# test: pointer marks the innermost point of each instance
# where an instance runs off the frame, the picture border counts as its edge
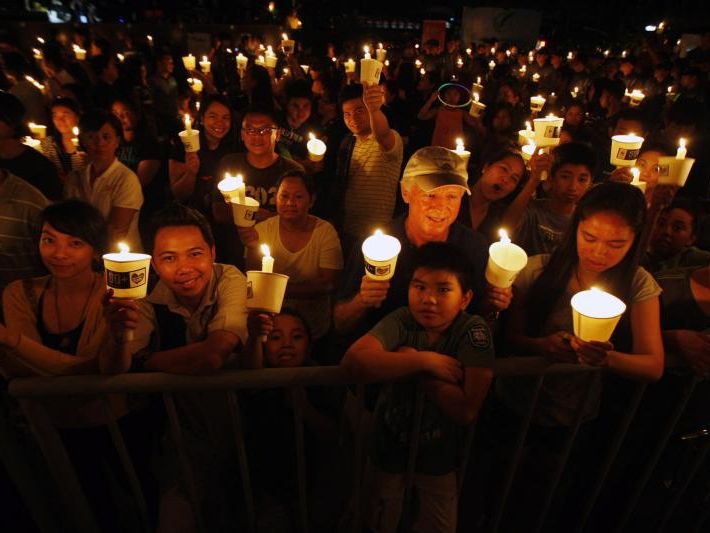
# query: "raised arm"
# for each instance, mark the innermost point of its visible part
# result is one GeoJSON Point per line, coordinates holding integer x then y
{"type": "Point", "coordinates": [374, 97]}
{"type": "Point", "coordinates": [513, 216]}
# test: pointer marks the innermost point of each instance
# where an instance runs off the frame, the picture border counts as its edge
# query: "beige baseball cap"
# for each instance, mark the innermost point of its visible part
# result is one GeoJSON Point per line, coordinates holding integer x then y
{"type": "Point", "coordinates": [435, 166]}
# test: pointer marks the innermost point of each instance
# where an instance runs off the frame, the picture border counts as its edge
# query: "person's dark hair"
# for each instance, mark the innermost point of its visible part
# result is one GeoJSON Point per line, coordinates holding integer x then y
{"type": "Point", "coordinates": [178, 215]}
{"type": "Point", "coordinates": [289, 311]}
{"type": "Point", "coordinates": [298, 88]}
{"type": "Point", "coordinates": [99, 63]}
{"type": "Point", "coordinates": [686, 112]}
{"type": "Point", "coordinates": [262, 93]}
{"type": "Point", "coordinates": [307, 180]}
{"type": "Point", "coordinates": [631, 114]}
{"type": "Point", "coordinates": [622, 199]}
{"type": "Point", "coordinates": [690, 206]}
{"type": "Point", "coordinates": [615, 88]}
{"type": "Point", "coordinates": [257, 109]}
{"type": "Point", "coordinates": [349, 92]}
{"type": "Point", "coordinates": [15, 63]}
{"type": "Point", "coordinates": [574, 153]}
{"type": "Point", "coordinates": [12, 113]}
{"type": "Point", "coordinates": [447, 257]}
{"type": "Point", "coordinates": [69, 103]}
{"type": "Point", "coordinates": [78, 219]}
{"type": "Point", "coordinates": [94, 120]}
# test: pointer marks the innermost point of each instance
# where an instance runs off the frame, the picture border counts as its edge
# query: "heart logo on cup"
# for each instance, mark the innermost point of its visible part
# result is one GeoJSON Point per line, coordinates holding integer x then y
{"type": "Point", "coordinates": [137, 278]}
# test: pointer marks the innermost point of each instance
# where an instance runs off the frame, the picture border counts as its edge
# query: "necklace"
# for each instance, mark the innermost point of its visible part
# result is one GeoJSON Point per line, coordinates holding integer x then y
{"type": "Point", "coordinates": [60, 329]}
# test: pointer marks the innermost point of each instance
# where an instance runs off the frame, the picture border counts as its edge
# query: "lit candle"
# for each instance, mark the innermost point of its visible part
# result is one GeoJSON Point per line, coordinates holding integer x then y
{"type": "Point", "coordinates": [37, 53]}
{"type": "Point", "coordinates": [195, 84]}
{"type": "Point", "coordinates": [232, 187]}
{"type": "Point", "coordinates": [636, 182]}
{"type": "Point", "coordinates": [528, 150]}
{"type": "Point", "coordinates": [285, 71]}
{"type": "Point", "coordinates": [127, 273]}
{"type": "Point", "coordinates": [535, 77]}
{"type": "Point", "coordinates": [205, 65]}
{"type": "Point", "coordinates": [682, 150]}
{"type": "Point", "coordinates": [32, 143]}
{"type": "Point", "coordinates": [367, 52]}
{"type": "Point", "coordinates": [459, 62]}
{"type": "Point", "coordinates": [190, 137]}
{"type": "Point", "coordinates": [75, 138]}
{"type": "Point", "coordinates": [637, 97]}
{"type": "Point", "coordinates": [260, 60]}
{"type": "Point", "coordinates": [189, 62]}
{"type": "Point", "coordinates": [493, 50]}
{"type": "Point", "coordinates": [417, 63]}
{"type": "Point", "coordinates": [422, 71]}
{"type": "Point", "coordinates": [121, 57]}
{"type": "Point", "coordinates": [370, 69]}
{"type": "Point", "coordinates": [242, 61]}
{"type": "Point", "coordinates": [461, 150]}
{"type": "Point", "coordinates": [316, 148]}
{"type": "Point", "coordinates": [547, 130]}
{"type": "Point", "coordinates": [350, 65]}
{"type": "Point", "coordinates": [306, 68]}
{"type": "Point", "coordinates": [491, 64]}
{"type": "Point", "coordinates": [287, 45]}
{"type": "Point", "coordinates": [505, 261]}
{"type": "Point", "coordinates": [267, 262]}
{"type": "Point", "coordinates": [40, 40]}
{"type": "Point", "coordinates": [523, 70]}
{"type": "Point", "coordinates": [595, 314]}
{"type": "Point", "coordinates": [537, 103]}
{"type": "Point", "coordinates": [531, 56]}
{"type": "Point", "coordinates": [575, 92]}
{"type": "Point", "coordinates": [197, 106]}
{"type": "Point", "coordinates": [625, 150]}
{"type": "Point", "coordinates": [188, 123]}
{"type": "Point", "coordinates": [150, 40]}
{"type": "Point", "coordinates": [79, 52]}
{"type": "Point", "coordinates": [570, 56]}
{"type": "Point", "coordinates": [380, 53]}
{"type": "Point", "coordinates": [387, 63]}
{"type": "Point", "coordinates": [476, 106]}
{"type": "Point", "coordinates": [380, 252]}
{"type": "Point", "coordinates": [38, 130]}
{"type": "Point", "coordinates": [525, 135]}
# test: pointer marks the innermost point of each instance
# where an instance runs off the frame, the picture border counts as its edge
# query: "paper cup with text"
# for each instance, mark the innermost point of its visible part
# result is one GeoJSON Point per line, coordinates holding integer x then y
{"type": "Point", "coordinates": [380, 252]}
{"type": "Point", "coordinates": [505, 262]}
{"type": "Point", "coordinates": [548, 130]}
{"type": "Point", "coordinates": [127, 274]}
{"type": "Point", "coordinates": [190, 140]}
{"type": "Point", "coordinates": [672, 171]}
{"type": "Point", "coordinates": [265, 291]}
{"type": "Point", "coordinates": [370, 70]}
{"type": "Point", "coordinates": [244, 215]}
{"type": "Point", "coordinates": [595, 314]}
{"type": "Point", "coordinates": [476, 108]}
{"type": "Point", "coordinates": [625, 150]}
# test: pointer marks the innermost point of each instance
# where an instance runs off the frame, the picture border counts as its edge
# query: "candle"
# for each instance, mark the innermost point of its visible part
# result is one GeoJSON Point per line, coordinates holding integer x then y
{"type": "Point", "coordinates": [380, 252]}
{"type": "Point", "coordinates": [40, 40]}
{"type": "Point", "coordinates": [523, 70]}
{"type": "Point", "coordinates": [233, 188]}
{"type": "Point", "coordinates": [197, 106]}
{"type": "Point", "coordinates": [150, 40]}
{"type": "Point", "coordinates": [189, 62]}
{"type": "Point", "coordinates": [242, 61]}
{"type": "Point", "coordinates": [537, 103]}
{"type": "Point", "coordinates": [316, 148]}
{"type": "Point", "coordinates": [367, 52]}
{"type": "Point", "coordinates": [32, 143]}
{"type": "Point", "coordinates": [526, 135]}
{"type": "Point", "coordinates": [535, 77]}
{"type": "Point", "coordinates": [637, 97]}
{"type": "Point", "coordinates": [37, 53]}
{"type": "Point", "coordinates": [195, 84]}
{"type": "Point", "coordinates": [127, 273]}
{"type": "Point", "coordinates": [121, 57]}
{"type": "Point", "coordinates": [35, 83]}
{"type": "Point", "coordinates": [477, 87]}
{"type": "Point", "coordinates": [491, 64]}
{"type": "Point", "coordinates": [370, 69]}
{"type": "Point", "coordinates": [267, 262]}
{"type": "Point", "coordinates": [188, 123]}
{"type": "Point", "coordinates": [459, 62]}
{"type": "Point", "coordinates": [625, 150]}
{"type": "Point", "coordinates": [636, 182]}
{"type": "Point", "coordinates": [476, 106]}
{"type": "Point", "coordinates": [417, 63]}
{"type": "Point", "coordinates": [422, 72]}
{"type": "Point", "coordinates": [595, 314]}
{"type": "Point", "coordinates": [350, 66]}
{"type": "Point", "coordinates": [205, 65]}
{"type": "Point", "coordinates": [528, 150]}
{"type": "Point", "coordinates": [38, 130]}
{"type": "Point", "coordinates": [75, 138]}
{"type": "Point", "coordinates": [380, 53]}
{"type": "Point", "coordinates": [682, 150]}
{"type": "Point", "coordinates": [469, 51]}
{"type": "Point", "coordinates": [387, 62]}
{"type": "Point", "coordinates": [190, 137]}
{"type": "Point", "coordinates": [260, 60]}
{"type": "Point", "coordinates": [505, 261]}
{"type": "Point", "coordinates": [531, 56]}
{"type": "Point", "coordinates": [575, 92]}
{"type": "Point", "coordinates": [547, 130]}
{"type": "Point", "coordinates": [305, 68]}
{"type": "Point", "coordinates": [79, 52]}
{"type": "Point", "coordinates": [461, 150]}
{"type": "Point", "coordinates": [287, 45]}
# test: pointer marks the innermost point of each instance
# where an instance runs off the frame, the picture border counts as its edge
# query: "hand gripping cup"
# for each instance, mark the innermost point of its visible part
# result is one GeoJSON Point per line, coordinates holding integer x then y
{"type": "Point", "coordinates": [595, 314]}
{"type": "Point", "coordinates": [625, 150]}
{"type": "Point", "coordinates": [265, 291]}
{"type": "Point", "coordinates": [244, 214]}
{"type": "Point", "coordinates": [505, 261]}
{"type": "Point", "coordinates": [380, 252]}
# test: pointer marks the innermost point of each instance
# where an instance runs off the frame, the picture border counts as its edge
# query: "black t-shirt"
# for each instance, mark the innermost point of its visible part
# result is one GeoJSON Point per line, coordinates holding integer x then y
{"type": "Point", "coordinates": [145, 148]}
{"type": "Point", "coordinates": [36, 170]}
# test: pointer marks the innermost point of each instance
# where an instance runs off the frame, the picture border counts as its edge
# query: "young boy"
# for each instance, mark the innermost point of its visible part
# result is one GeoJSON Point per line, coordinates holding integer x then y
{"type": "Point", "coordinates": [450, 353]}
{"type": "Point", "coordinates": [538, 224]}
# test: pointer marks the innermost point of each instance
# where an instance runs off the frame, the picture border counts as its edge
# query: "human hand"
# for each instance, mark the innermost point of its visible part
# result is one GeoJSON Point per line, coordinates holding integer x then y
{"type": "Point", "coordinates": [121, 315]}
{"type": "Point", "coordinates": [373, 96]}
{"type": "Point", "coordinates": [557, 348]}
{"type": "Point", "coordinates": [192, 162]}
{"type": "Point", "coordinates": [442, 367]}
{"type": "Point", "coordinates": [592, 353]}
{"type": "Point", "coordinates": [373, 292]}
{"type": "Point", "coordinates": [259, 324]}
{"type": "Point", "coordinates": [539, 163]}
{"type": "Point", "coordinates": [622, 175]}
{"type": "Point", "coordinates": [499, 299]}
{"type": "Point", "coordinates": [248, 236]}
{"type": "Point", "coordinates": [694, 348]}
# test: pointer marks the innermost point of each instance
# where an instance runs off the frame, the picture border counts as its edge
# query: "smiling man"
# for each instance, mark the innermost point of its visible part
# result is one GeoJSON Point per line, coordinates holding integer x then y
{"type": "Point", "coordinates": [434, 181]}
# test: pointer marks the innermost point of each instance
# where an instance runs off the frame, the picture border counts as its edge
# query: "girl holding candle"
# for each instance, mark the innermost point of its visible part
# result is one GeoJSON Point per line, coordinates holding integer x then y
{"type": "Point", "coordinates": [58, 146]}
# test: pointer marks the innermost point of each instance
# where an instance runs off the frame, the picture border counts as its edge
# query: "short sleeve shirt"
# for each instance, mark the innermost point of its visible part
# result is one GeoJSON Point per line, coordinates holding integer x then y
{"type": "Point", "coordinates": [541, 229]}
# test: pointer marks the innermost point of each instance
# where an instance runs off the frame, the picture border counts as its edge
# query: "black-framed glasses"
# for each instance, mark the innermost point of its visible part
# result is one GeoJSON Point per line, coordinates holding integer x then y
{"type": "Point", "coordinates": [258, 131]}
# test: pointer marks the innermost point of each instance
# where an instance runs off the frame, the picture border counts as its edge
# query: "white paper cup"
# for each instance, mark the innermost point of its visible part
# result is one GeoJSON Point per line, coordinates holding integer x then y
{"type": "Point", "coordinates": [625, 150]}
{"type": "Point", "coordinates": [476, 109]}
{"type": "Point", "coordinates": [128, 279]}
{"type": "Point", "coordinates": [547, 131]}
{"type": "Point", "coordinates": [505, 261]}
{"type": "Point", "coordinates": [594, 317]}
{"type": "Point", "coordinates": [316, 149]}
{"type": "Point", "coordinates": [380, 253]}
{"type": "Point", "coordinates": [477, 88]}
{"type": "Point", "coordinates": [244, 215]}
{"type": "Point", "coordinates": [537, 103]}
{"type": "Point", "coordinates": [270, 61]}
{"type": "Point", "coordinates": [370, 70]}
{"type": "Point", "coordinates": [190, 140]}
{"type": "Point", "coordinates": [380, 54]}
{"type": "Point", "coordinates": [524, 136]}
{"type": "Point", "coordinates": [265, 291]}
{"type": "Point", "coordinates": [288, 46]}
{"type": "Point", "coordinates": [674, 171]}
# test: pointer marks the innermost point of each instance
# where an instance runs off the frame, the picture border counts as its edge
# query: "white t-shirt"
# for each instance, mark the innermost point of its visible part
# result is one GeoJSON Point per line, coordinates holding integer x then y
{"type": "Point", "coordinates": [322, 251]}
{"type": "Point", "coordinates": [118, 186]}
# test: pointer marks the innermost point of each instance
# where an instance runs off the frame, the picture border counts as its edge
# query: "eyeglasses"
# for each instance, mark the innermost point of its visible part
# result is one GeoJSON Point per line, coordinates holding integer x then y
{"type": "Point", "coordinates": [258, 131]}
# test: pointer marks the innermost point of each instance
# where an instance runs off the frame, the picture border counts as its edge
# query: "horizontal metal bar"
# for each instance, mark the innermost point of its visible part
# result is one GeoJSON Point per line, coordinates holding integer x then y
{"type": "Point", "coordinates": [91, 385]}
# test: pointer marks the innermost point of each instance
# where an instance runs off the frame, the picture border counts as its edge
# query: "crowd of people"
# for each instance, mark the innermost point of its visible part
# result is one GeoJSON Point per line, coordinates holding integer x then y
{"type": "Point", "coordinates": [112, 168]}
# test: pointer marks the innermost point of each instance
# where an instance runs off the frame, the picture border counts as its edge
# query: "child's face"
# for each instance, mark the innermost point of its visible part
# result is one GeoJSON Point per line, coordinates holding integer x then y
{"type": "Point", "coordinates": [436, 298]}
{"type": "Point", "coordinates": [570, 182]}
{"type": "Point", "coordinates": [287, 345]}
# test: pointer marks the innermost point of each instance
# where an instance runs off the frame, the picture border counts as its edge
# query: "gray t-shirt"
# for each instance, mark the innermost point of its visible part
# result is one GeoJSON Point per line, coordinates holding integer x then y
{"type": "Point", "coordinates": [560, 395]}
{"type": "Point", "coordinates": [541, 229]}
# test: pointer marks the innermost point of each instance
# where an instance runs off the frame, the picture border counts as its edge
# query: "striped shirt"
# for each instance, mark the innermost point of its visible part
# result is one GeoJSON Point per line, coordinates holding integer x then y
{"type": "Point", "coordinates": [64, 162]}
{"type": "Point", "coordinates": [20, 206]}
{"type": "Point", "coordinates": [372, 185]}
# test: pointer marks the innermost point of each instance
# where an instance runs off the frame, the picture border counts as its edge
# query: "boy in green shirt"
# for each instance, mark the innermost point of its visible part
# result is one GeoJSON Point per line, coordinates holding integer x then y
{"type": "Point", "coordinates": [450, 353]}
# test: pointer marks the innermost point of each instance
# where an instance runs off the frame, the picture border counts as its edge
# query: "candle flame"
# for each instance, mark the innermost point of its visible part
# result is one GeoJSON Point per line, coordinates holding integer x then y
{"type": "Point", "coordinates": [378, 232]}
{"type": "Point", "coordinates": [475, 97]}
{"type": "Point", "coordinates": [284, 37]}
{"type": "Point", "coordinates": [459, 142]}
{"type": "Point", "coordinates": [40, 40]}
{"type": "Point", "coordinates": [540, 151]}
{"type": "Point", "coordinates": [240, 180]}
{"type": "Point", "coordinates": [187, 118]}
{"type": "Point", "coordinates": [265, 250]}
{"type": "Point", "coordinates": [75, 131]}
{"type": "Point", "coordinates": [366, 49]}
{"type": "Point", "coordinates": [636, 173]}
{"type": "Point", "coordinates": [528, 126]}
{"type": "Point", "coordinates": [503, 235]}
{"type": "Point", "coordinates": [681, 142]}
{"type": "Point", "coordinates": [204, 59]}
{"type": "Point", "coordinates": [123, 247]}
{"type": "Point", "coordinates": [311, 136]}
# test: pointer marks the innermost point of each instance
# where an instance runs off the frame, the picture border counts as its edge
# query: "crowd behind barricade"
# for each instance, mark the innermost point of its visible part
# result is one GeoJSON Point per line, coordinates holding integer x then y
{"type": "Point", "coordinates": [102, 144]}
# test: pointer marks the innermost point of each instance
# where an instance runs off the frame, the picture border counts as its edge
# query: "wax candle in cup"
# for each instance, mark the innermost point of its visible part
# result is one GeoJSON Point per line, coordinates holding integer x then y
{"type": "Point", "coordinates": [380, 53]}
{"type": "Point", "coordinates": [370, 69]}
{"type": "Point", "coordinates": [205, 65]}
{"type": "Point", "coordinates": [595, 314]}
{"type": "Point", "coordinates": [477, 87]}
{"type": "Point", "coordinates": [536, 103]}
{"type": "Point", "coordinates": [477, 107]}
{"type": "Point", "coordinates": [305, 68]}
{"type": "Point", "coordinates": [32, 143]}
{"type": "Point", "coordinates": [288, 45]}
{"type": "Point", "coordinates": [525, 135]}
{"type": "Point", "coordinates": [189, 62]}
{"type": "Point", "coordinates": [380, 252]}
{"type": "Point", "coordinates": [636, 182]}
{"type": "Point", "coordinates": [674, 170]}
{"type": "Point", "coordinates": [316, 148]}
{"type": "Point", "coordinates": [232, 188]}
{"type": "Point", "coordinates": [195, 84]}
{"type": "Point", "coordinates": [39, 131]}
{"type": "Point", "coordinates": [190, 137]}
{"type": "Point", "coordinates": [535, 77]}
{"type": "Point", "coordinates": [350, 66]}
{"type": "Point", "coordinates": [491, 64]}
{"type": "Point", "coordinates": [270, 58]}
{"type": "Point", "coordinates": [505, 261]}
{"type": "Point", "coordinates": [79, 52]}
{"type": "Point", "coordinates": [37, 53]}
{"type": "Point", "coordinates": [461, 150]}
{"type": "Point", "coordinates": [637, 97]}
{"type": "Point", "coordinates": [267, 262]}
{"type": "Point", "coordinates": [682, 150]}
{"type": "Point", "coordinates": [75, 136]}
{"type": "Point", "coordinates": [547, 130]}
{"type": "Point", "coordinates": [625, 150]}
{"type": "Point", "coordinates": [242, 61]}
{"type": "Point", "coordinates": [528, 150]}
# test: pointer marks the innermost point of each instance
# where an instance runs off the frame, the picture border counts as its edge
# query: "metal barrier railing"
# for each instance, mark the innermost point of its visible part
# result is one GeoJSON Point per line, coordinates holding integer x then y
{"type": "Point", "coordinates": [31, 391]}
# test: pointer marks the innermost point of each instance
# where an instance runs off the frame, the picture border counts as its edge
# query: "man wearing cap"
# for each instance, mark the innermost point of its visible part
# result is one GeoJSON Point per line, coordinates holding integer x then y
{"type": "Point", "coordinates": [433, 184]}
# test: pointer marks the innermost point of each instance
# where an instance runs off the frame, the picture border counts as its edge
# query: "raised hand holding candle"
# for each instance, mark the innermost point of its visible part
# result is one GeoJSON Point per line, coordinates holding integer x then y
{"type": "Point", "coordinates": [682, 150]}
{"type": "Point", "coordinates": [189, 62]}
{"type": "Point", "coordinates": [267, 262]}
{"type": "Point", "coordinates": [505, 261]}
{"type": "Point", "coordinates": [595, 314]}
{"type": "Point", "coordinates": [380, 252]}
{"type": "Point", "coordinates": [190, 137]}
{"type": "Point", "coordinates": [370, 69]}
{"type": "Point", "coordinates": [316, 148]}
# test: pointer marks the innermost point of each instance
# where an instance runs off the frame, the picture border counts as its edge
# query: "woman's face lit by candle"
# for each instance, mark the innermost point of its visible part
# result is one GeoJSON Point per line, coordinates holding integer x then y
{"type": "Point", "coordinates": [64, 255]}
{"type": "Point", "coordinates": [64, 119]}
{"type": "Point", "coordinates": [127, 117]}
{"type": "Point", "coordinates": [287, 345]}
{"type": "Point", "coordinates": [217, 121]}
{"type": "Point", "coordinates": [500, 178]}
{"type": "Point", "coordinates": [603, 240]}
{"type": "Point", "coordinates": [647, 163]}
